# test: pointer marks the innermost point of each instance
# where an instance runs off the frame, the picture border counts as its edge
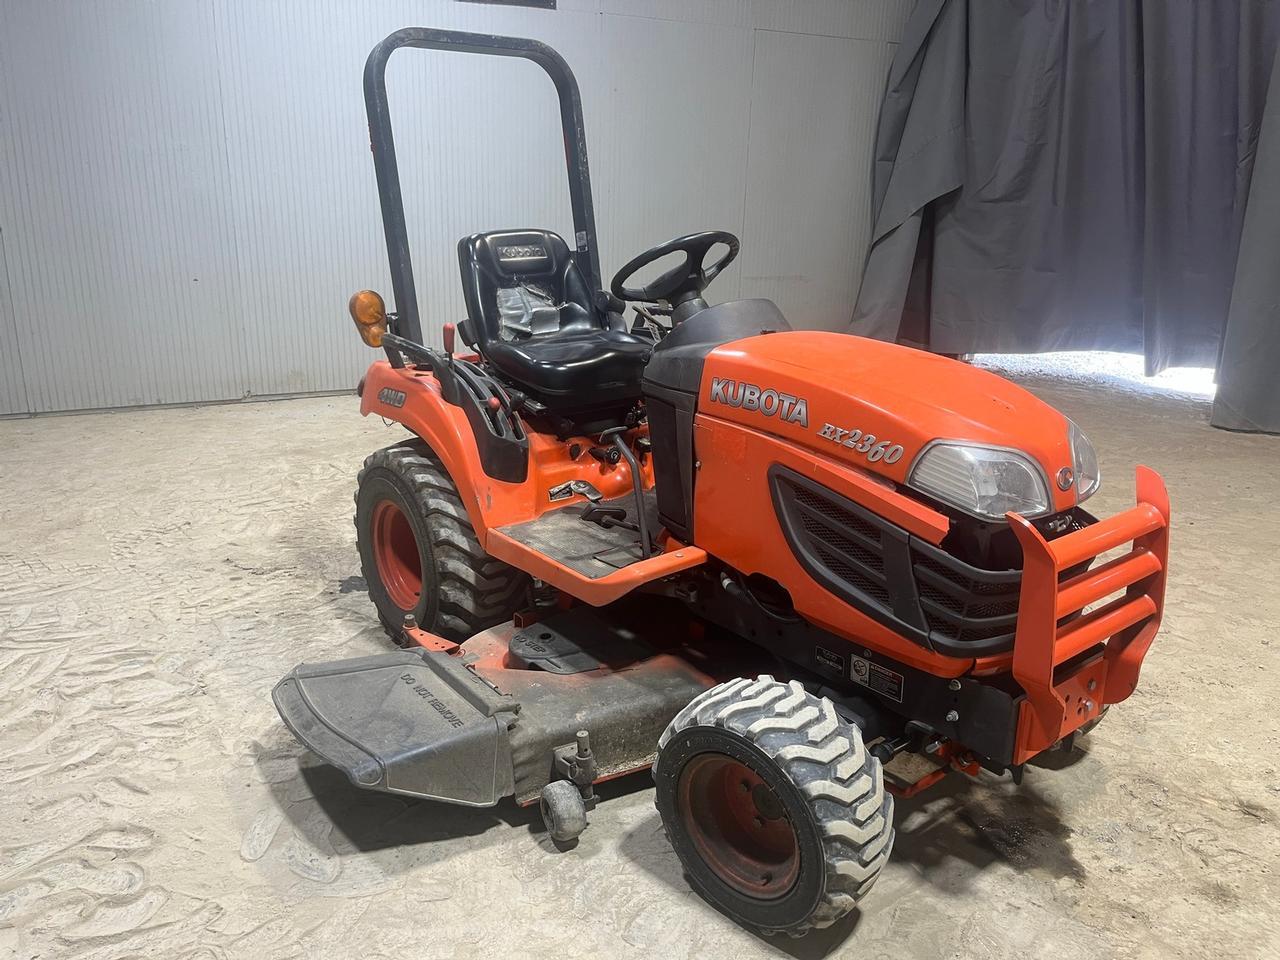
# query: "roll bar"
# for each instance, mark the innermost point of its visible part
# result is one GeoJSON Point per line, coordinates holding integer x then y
{"type": "Point", "coordinates": [407, 322]}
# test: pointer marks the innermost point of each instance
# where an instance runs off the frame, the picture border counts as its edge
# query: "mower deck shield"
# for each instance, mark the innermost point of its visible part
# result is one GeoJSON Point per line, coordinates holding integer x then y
{"type": "Point", "coordinates": [1071, 668]}
{"type": "Point", "coordinates": [415, 723]}
{"type": "Point", "coordinates": [487, 721]}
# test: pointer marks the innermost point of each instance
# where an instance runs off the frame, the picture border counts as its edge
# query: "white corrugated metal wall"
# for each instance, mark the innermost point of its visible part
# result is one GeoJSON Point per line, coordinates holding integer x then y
{"type": "Point", "coordinates": [187, 199]}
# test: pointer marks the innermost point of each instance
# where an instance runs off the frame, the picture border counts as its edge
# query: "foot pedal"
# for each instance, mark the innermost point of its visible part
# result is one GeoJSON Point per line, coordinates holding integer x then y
{"type": "Point", "coordinates": [609, 517]}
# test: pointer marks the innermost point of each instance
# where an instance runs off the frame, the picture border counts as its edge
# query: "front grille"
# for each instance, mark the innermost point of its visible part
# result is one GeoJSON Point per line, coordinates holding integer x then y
{"type": "Point", "coordinates": [963, 603]}
{"type": "Point", "coordinates": [845, 541]}
{"type": "Point", "coordinates": [914, 587]}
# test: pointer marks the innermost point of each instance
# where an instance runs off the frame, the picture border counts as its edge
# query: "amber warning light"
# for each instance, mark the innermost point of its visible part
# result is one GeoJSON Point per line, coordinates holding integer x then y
{"type": "Point", "coordinates": [370, 315]}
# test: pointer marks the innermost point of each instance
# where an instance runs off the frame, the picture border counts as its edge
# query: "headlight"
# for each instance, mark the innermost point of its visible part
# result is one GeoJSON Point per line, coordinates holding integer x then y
{"type": "Point", "coordinates": [985, 481]}
{"type": "Point", "coordinates": [1085, 464]}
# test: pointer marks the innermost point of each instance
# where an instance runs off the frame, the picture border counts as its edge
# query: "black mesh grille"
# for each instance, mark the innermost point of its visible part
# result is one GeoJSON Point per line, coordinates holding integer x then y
{"type": "Point", "coordinates": [923, 591]}
{"type": "Point", "coordinates": [847, 545]}
{"type": "Point", "coordinates": [963, 603]}
{"type": "Point", "coordinates": [852, 575]}
{"type": "Point", "coordinates": [841, 543]}
{"type": "Point", "coordinates": [818, 506]}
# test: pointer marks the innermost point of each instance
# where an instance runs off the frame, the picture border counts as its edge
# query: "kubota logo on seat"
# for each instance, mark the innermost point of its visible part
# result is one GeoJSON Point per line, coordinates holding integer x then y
{"type": "Point", "coordinates": [772, 403]}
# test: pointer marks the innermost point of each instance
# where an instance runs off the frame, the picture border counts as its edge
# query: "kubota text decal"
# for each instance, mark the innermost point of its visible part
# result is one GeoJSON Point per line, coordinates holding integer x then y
{"type": "Point", "coordinates": [771, 403]}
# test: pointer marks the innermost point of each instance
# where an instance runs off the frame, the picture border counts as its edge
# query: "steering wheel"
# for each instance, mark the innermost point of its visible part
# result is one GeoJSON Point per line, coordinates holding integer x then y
{"type": "Point", "coordinates": [686, 279]}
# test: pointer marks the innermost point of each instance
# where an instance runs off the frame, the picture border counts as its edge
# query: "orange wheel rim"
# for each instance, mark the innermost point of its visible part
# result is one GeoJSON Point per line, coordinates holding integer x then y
{"type": "Point", "coordinates": [395, 552]}
{"type": "Point", "coordinates": [739, 826]}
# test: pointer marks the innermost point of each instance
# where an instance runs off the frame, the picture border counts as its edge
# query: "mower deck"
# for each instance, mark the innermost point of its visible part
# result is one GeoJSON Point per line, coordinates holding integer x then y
{"type": "Point", "coordinates": [412, 722]}
{"type": "Point", "coordinates": [489, 721]}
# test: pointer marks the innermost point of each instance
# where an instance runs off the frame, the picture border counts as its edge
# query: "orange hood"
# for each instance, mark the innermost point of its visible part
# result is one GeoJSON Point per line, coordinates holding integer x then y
{"type": "Point", "coordinates": [876, 405]}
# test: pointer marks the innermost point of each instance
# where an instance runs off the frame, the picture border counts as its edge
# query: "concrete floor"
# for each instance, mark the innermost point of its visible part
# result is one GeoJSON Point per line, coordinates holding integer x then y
{"type": "Point", "coordinates": [162, 569]}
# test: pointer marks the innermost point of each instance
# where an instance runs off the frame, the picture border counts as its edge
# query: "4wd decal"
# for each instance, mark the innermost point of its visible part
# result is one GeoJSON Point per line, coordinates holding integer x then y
{"type": "Point", "coordinates": [392, 398]}
{"type": "Point", "coordinates": [865, 443]}
{"type": "Point", "coordinates": [771, 403]}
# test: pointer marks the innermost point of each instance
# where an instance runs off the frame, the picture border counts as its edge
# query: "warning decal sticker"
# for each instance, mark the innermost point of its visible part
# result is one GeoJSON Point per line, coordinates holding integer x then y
{"type": "Point", "coordinates": [875, 677]}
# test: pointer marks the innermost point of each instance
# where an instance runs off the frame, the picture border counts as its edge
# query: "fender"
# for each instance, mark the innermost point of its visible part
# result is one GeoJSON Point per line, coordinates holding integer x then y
{"type": "Point", "coordinates": [413, 398]}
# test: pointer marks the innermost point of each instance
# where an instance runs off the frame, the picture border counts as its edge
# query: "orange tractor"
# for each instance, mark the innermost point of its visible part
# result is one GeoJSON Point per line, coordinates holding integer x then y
{"type": "Point", "coordinates": [760, 562]}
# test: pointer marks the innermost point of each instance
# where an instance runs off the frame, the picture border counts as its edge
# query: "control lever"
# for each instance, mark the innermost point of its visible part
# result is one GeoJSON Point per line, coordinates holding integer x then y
{"type": "Point", "coordinates": [448, 338]}
{"type": "Point", "coordinates": [583, 489]}
{"type": "Point", "coordinates": [647, 318]}
{"type": "Point", "coordinates": [609, 517]}
{"type": "Point", "coordinates": [637, 484]}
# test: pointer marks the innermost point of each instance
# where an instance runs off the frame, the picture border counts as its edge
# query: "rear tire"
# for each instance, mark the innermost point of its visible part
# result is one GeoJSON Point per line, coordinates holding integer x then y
{"type": "Point", "coordinates": [778, 813]}
{"type": "Point", "coordinates": [419, 553]}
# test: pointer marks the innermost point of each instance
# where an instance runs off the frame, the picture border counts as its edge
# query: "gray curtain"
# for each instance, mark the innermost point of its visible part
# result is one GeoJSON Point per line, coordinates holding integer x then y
{"type": "Point", "coordinates": [1066, 175]}
{"type": "Point", "coordinates": [1249, 371]}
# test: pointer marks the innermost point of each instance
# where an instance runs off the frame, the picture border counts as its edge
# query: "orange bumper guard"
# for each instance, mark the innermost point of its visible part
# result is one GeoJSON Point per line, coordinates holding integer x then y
{"type": "Point", "coordinates": [1045, 640]}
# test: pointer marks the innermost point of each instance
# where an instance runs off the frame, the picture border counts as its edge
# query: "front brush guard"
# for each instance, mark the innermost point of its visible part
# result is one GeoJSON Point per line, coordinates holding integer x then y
{"type": "Point", "coordinates": [1056, 704]}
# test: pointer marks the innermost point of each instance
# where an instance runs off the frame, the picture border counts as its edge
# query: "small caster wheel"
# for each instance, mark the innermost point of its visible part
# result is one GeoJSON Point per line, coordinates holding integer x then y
{"type": "Point", "coordinates": [563, 811]}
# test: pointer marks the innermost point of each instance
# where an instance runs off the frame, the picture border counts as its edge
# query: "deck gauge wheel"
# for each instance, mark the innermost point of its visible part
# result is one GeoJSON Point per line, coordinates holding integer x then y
{"type": "Point", "coordinates": [563, 811]}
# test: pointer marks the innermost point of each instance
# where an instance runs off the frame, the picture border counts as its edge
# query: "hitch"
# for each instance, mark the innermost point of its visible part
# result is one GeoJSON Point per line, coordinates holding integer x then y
{"type": "Point", "coordinates": [953, 757]}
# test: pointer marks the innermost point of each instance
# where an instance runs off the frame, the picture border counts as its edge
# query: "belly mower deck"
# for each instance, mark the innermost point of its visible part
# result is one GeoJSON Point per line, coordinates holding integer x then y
{"type": "Point", "coordinates": [494, 718]}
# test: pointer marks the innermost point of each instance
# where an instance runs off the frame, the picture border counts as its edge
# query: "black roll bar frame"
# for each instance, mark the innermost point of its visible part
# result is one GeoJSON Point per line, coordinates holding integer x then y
{"type": "Point", "coordinates": [406, 321]}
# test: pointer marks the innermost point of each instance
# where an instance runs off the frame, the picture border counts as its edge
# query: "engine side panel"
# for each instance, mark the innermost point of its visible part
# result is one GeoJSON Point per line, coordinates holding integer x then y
{"type": "Point", "coordinates": [737, 522]}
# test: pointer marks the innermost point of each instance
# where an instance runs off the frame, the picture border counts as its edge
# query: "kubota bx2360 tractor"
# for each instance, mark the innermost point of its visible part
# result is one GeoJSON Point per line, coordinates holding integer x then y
{"type": "Point", "coordinates": [761, 562]}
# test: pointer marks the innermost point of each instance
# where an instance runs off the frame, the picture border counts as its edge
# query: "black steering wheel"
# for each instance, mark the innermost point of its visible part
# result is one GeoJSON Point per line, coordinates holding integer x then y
{"type": "Point", "coordinates": [686, 279]}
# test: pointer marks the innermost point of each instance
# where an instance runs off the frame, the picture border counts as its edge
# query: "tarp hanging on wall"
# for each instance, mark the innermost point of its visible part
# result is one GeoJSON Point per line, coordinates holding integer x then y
{"type": "Point", "coordinates": [1055, 176]}
{"type": "Point", "coordinates": [1249, 372]}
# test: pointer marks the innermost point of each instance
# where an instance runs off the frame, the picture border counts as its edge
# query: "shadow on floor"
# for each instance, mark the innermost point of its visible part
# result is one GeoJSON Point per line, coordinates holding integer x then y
{"type": "Point", "coordinates": [954, 830]}
{"type": "Point", "coordinates": [949, 834]}
{"type": "Point", "coordinates": [645, 845]}
{"type": "Point", "coordinates": [319, 798]}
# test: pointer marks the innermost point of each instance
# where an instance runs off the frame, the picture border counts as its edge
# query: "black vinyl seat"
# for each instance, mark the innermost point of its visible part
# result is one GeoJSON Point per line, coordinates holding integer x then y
{"type": "Point", "coordinates": [596, 366]}
{"type": "Point", "coordinates": [533, 318]}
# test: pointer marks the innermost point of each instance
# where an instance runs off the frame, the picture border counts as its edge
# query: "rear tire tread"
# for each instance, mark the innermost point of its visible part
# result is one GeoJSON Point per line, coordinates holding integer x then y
{"type": "Point", "coordinates": [475, 590]}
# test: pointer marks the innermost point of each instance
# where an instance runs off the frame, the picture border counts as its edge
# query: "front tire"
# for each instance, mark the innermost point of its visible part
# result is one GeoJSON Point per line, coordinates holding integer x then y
{"type": "Point", "coordinates": [419, 552]}
{"type": "Point", "coordinates": [776, 810]}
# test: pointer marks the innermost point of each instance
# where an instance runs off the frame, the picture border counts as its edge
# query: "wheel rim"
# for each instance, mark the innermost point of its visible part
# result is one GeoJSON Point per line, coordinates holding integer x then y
{"type": "Point", "coordinates": [738, 826]}
{"type": "Point", "coordinates": [395, 551]}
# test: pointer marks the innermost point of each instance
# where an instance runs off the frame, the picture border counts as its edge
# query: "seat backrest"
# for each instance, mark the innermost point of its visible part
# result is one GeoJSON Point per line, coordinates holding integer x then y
{"type": "Point", "coordinates": [522, 285]}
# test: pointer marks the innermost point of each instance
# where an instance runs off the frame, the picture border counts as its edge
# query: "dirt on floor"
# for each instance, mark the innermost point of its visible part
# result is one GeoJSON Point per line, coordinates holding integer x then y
{"type": "Point", "coordinates": [160, 570]}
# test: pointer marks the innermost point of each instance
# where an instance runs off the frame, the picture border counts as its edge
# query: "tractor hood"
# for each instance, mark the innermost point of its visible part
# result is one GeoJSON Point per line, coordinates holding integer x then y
{"type": "Point", "coordinates": [876, 406]}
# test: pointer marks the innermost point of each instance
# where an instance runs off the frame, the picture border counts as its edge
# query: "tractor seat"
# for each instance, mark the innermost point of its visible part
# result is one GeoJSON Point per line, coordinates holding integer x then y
{"type": "Point", "coordinates": [532, 317]}
{"type": "Point", "coordinates": [595, 366]}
